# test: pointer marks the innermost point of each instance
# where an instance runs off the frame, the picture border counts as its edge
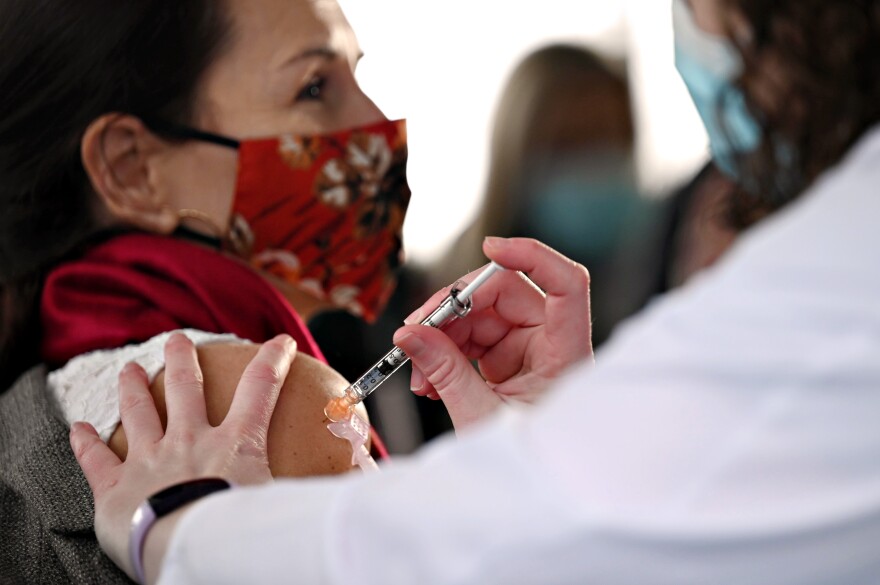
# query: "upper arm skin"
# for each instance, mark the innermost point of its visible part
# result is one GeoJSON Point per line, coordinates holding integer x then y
{"type": "Point", "coordinates": [299, 443]}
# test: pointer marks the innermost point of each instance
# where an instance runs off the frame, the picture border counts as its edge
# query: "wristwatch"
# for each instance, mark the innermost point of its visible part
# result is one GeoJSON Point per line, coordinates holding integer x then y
{"type": "Point", "coordinates": [162, 504]}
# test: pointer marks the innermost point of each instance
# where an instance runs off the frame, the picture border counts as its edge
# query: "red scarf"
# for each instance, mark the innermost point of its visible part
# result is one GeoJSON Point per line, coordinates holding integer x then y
{"type": "Point", "coordinates": [136, 286]}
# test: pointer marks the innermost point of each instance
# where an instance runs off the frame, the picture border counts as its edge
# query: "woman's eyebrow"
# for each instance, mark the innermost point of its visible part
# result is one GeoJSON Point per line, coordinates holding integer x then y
{"type": "Point", "coordinates": [322, 52]}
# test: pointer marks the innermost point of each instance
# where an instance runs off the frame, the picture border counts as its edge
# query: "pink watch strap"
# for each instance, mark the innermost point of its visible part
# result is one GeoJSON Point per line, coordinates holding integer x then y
{"type": "Point", "coordinates": [161, 504]}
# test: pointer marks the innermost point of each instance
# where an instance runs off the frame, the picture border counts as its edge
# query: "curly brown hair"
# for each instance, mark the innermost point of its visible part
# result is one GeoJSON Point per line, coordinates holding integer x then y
{"type": "Point", "coordinates": [812, 80]}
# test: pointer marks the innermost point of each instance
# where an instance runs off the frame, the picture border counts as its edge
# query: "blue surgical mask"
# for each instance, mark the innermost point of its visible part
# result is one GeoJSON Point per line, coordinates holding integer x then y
{"type": "Point", "coordinates": [709, 66]}
{"type": "Point", "coordinates": [585, 210]}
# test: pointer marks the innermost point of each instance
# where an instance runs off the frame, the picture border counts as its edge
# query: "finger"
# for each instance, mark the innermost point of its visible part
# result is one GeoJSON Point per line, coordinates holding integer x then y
{"type": "Point", "coordinates": [464, 393]}
{"type": "Point", "coordinates": [95, 458]}
{"type": "Point", "coordinates": [140, 419]}
{"type": "Point", "coordinates": [477, 334]}
{"type": "Point", "coordinates": [420, 386]}
{"type": "Point", "coordinates": [509, 294]}
{"type": "Point", "coordinates": [505, 359]}
{"type": "Point", "coordinates": [566, 283]}
{"type": "Point", "coordinates": [513, 295]}
{"type": "Point", "coordinates": [184, 385]}
{"type": "Point", "coordinates": [257, 392]}
{"type": "Point", "coordinates": [481, 328]}
{"type": "Point", "coordinates": [549, 269]}
{"type": "Point", "coordinates": [434, 301]}
{"type": "Point", "coordinates": [417, 382]}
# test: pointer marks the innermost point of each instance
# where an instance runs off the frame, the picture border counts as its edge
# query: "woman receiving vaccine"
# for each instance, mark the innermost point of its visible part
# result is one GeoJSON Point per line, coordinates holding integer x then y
{"type": "Point", "coordinates": [210, 168]}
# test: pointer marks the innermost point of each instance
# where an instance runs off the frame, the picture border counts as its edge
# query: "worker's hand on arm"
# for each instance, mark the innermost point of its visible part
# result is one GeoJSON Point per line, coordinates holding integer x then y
{"type": "Point", "coordinates": [521, 337]}
{"type": "Point", "coordinates": [190, 448]}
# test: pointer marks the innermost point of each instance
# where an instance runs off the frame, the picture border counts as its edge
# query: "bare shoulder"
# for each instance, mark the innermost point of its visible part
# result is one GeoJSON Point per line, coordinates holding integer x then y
{"type": "Point", "coordinates": [299, 443]}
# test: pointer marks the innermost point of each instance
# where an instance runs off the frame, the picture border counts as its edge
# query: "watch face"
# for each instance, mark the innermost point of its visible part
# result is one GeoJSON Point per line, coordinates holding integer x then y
{"type": "Point", "coordinates": [177, 496]}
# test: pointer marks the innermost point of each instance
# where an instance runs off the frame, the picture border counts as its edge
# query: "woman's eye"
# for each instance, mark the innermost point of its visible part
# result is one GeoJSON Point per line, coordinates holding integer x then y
{"type": "Point", "coordinates": [314, 90]}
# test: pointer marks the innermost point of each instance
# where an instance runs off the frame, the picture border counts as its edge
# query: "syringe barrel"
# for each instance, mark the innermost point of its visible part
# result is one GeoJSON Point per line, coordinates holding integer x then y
{"type": "Point", "coordinates": [380, 372]}
{"type": "Point", "coordinates": [396, 358]}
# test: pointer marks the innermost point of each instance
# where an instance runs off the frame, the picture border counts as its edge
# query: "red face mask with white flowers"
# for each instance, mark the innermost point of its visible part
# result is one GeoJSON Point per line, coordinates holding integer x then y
{"type": "Point", "coordinates": [324, 213]}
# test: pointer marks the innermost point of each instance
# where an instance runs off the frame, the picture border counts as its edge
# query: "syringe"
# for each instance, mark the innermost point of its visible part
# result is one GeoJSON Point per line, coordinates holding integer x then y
{"type": "Point", "coordinates": [457, 305]}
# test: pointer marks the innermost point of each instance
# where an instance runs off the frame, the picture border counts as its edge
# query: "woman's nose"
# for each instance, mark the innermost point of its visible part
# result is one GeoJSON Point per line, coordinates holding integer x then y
{"type": "Point", "coordinates": [361, 111]}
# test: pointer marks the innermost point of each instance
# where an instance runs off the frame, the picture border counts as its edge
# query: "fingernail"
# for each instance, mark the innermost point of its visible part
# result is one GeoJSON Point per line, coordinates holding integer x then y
{"type": "Point", "coordinates": [76, 427]}
{"type": "Point", "coordinates": [496, 243]}
{"type": "Point", "coordinates": [289, 343]}
{"type": "Point", "coordinates": [178, 342]}
{"type": "Point", "coordinates": [418, 380]}
{"type": "Point", "coordinates": [414, 319]}
{"type": "Point", "coordinates": [410, 343]}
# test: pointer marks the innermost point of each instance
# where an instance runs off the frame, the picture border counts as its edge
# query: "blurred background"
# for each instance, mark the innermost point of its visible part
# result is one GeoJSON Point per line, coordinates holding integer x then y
{"type": "Point", "coordinates": [563, 120]}
{"type": "Point", "coordinates": [444, 67]}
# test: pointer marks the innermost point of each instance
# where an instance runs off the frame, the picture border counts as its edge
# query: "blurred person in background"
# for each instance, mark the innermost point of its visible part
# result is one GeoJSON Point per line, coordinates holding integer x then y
{"type": "Point", "coordinates": [562, 170]}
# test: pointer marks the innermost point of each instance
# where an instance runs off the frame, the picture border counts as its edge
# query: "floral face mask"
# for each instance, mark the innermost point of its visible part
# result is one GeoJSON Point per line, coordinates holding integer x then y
{"type": "Point", "coordinates": [323, 213]}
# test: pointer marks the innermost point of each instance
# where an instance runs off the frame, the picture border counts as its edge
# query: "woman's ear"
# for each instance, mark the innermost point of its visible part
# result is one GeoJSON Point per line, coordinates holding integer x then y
{"type": "Point", "coordinates": [120, 154]}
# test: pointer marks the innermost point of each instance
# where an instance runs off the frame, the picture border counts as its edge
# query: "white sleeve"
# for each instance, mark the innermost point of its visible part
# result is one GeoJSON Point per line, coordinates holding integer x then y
{"type": "Point", "coordinates": [728, 435]}
{"type": "Point", "coordinates": [511, 504]}
{"type": "Point", "coordinates": [86, 388]}
{"type": "Point", "coordinates": [753, 459]}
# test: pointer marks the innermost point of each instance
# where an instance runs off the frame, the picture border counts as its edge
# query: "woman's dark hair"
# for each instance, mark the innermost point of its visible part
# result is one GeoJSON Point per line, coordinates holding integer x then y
{"type": "Point", "coordinates": [64, 64]}
{"type": "Point", "coordinates": [821, 60]}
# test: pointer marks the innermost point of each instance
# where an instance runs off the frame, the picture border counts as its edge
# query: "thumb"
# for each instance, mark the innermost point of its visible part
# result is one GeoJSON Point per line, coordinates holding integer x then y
{"type": "Point", "coordinates": [465, 394]}
{"type": "Point", "coordinates": [95, 458]}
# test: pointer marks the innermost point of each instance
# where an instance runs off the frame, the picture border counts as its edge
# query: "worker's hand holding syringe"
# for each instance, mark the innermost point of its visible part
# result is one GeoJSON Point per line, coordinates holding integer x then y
{"type": "Point", "coordinates": [521, 337]}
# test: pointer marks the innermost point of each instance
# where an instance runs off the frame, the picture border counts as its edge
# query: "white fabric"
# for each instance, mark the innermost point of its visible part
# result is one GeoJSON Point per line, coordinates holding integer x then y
{"type": "Point", "coordinates": [729, 435]}
{"type": "Point", "coordinates": [86, 389]}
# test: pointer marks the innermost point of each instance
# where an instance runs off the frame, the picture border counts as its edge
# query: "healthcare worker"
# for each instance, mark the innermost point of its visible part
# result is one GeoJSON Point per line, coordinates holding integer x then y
{"type": "Point", "coordinates": [727, 435]}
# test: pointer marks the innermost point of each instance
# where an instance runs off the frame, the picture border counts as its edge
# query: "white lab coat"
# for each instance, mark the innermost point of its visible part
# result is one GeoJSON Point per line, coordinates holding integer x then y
{"type": "Point", "coordinates": [728, 435]}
